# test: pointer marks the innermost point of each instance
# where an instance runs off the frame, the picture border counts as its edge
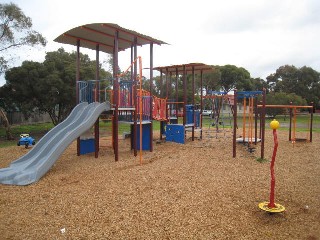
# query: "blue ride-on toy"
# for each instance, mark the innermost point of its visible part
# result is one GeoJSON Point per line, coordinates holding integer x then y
{"type": "Point", "coordinates": [26, 140]}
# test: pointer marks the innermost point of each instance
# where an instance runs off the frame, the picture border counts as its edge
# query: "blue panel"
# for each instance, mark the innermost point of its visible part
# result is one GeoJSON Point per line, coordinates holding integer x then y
{"type": "Point", "coordinates": [175, 133]}
{"type": "Point", "coordinates": [87, 146]}
{"type": "Point", "coordinates": [189, 114]}
{"type": "Point", "coordinates": [146, 130]}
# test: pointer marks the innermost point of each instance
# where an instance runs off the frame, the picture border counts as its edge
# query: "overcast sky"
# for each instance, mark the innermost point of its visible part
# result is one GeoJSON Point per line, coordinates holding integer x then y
{"type": "Point", "coordinates": [259, 35]}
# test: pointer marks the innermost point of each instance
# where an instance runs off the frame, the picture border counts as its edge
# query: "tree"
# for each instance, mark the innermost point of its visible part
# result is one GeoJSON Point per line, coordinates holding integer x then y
{"type": "Point", "coordinates": [48, 87]}
{"type": "Point", "coordinates": [211, 80]}
{"type": "Point", "coordinates": [233, 77]}
{"type": "Point", "coordinates": [15, 31]}
{"type": "Point", "coordinates": [304, 82]}
{"type": "Point", "coordinates": [281, 98]}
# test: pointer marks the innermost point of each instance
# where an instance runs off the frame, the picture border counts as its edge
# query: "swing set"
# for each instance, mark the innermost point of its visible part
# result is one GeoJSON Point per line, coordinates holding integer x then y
{"type": "Point", "coordinates": [249, 119]}
{"type": "Point", "coordinates": [294, 112]}
{"type": "Point", "coordinates": [219, 100]}
{"type": "Point", "coordinates": [259, 110]}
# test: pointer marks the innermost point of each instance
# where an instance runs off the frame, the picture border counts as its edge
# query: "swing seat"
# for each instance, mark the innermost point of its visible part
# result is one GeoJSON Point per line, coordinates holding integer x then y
{"type": "Point", "coordinates": [301, 140]}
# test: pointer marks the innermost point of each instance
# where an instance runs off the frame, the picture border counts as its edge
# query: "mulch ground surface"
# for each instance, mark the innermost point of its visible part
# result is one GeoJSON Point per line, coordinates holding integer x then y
{"type": "Point", "coordinates": [191, 191]}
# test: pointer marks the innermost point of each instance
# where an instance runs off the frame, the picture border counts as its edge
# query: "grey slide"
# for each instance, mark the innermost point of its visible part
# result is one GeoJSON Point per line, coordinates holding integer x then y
{"type": "Point", "coordinates": [32, 166]}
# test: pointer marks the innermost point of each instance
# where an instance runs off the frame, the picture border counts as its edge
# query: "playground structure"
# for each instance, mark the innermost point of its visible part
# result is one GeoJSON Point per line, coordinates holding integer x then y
{"type": "Point", "coordinates": [293, 112]}
{"type": "Point", "coordinates": [257, 112]}
{"type": "Point", "coordinates": [125, 96]}
{"type": "Point", "coordinates": [128, 102]}
{"type": "Point", "coordinates": [109, 38]}
{"type": "Point", "coordinates": [191, 117]}
{"type": "Point", "coordinates": [218, 101]}
{"type": "Point", "coordinates": [249, 137]}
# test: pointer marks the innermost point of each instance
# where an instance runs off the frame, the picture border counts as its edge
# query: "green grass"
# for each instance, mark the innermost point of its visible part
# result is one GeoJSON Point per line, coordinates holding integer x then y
{"type": "Point", "coordinates": [302, 122]}
{"type": "Point", "coordinates": [41, 128]}
{"type": "Point", "coordinates": [262, 160]}
{"type": "Point", "coordinates": [31, 129]}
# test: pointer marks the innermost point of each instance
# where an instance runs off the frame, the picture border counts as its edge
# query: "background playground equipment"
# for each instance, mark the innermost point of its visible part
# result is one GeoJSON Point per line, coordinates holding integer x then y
{"type": "Point", "coordinates": [292, 126]}
{"type": "Point", "coordinates": [192, 117]}
{"type": "Point", "coordinates": [249, 137]}
{"type": "Point", "coordinates": [294, 112]}
{"type": "Point", "coordinates": [258, 113]}
{"type": "Point", "coordinates": [26, 140]}
{"type": "Point", "coordinates": [271, 206]}
{"type": "Point", "coordinates": [219, 102]}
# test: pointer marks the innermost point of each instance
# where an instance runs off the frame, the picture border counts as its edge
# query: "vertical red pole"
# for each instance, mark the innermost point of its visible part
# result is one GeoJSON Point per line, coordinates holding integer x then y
{"type": "Point", "coordinates": [116, 97]}
{"type": "Point", "coordinates": [77, 87]}
{"type": "Point", "coordinates": [311, 122]}
{"type": "Point", "coordinates": [193, 102]}
{"type": "Point", "coordinates": [273, 180]}
{"type": "Point", "coordinates": [161, 82]}
{"type": "Point", "coordinates": [263, 122]}
{"type": "Point", "coordinates": [255, 120]}
{"type": "Point", "coordinates": [201, 101]}
{"type": "Point", "coordinates": [177, 96]}
{"type": "Point", "coordinates": [151, 86]}
{"type": "Point", "coordinates": [290, 122]}
{"type": "Point", "coordinates": [96, 125]}
{"type": "Point", "coordinates": [184, 94]}
{"type": "Point", "coordinates": [235, 113]}
{"type": "Point", "coordinates": [167, 83]}
{"type": "Point", "coordinates": [136, 104]}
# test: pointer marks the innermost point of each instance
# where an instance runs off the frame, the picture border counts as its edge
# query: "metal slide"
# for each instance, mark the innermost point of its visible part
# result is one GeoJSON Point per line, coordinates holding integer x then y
{"type": "Point", "coordinates": [32, 166]}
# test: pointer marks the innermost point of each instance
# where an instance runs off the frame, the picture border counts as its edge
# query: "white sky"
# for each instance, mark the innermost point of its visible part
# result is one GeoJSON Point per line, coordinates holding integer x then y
{"type": "Point", "coordinates": [259, 35]}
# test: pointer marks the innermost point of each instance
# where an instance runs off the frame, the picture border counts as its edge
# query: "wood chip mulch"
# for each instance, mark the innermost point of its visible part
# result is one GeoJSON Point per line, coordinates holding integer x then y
{"type": "Point", "coordinates": [191, 191]}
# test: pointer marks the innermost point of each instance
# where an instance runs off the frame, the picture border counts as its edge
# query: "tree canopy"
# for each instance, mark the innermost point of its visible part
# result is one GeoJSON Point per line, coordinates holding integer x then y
{"type": "Point", "coordinates": [303, 81]}
{"type": "Point", "coordinates": [15, 31]}
{"type": "Point", "coordinates": [49, 86]}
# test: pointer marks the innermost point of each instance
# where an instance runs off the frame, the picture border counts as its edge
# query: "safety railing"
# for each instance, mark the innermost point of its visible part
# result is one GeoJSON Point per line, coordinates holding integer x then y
{"type": "Point", "coordinates": [89, 91]}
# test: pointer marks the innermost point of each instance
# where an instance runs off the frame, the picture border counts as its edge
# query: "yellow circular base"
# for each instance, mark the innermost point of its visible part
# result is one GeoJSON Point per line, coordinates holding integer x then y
{"type": "Point", "coordinates": [277, 209]}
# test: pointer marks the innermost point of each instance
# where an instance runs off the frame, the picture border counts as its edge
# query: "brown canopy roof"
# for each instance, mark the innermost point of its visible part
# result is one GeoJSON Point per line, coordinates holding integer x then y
{"type": "Point", "coordinates": [189, 66]}
{"type": "Point", "coordinates": [103, 34]}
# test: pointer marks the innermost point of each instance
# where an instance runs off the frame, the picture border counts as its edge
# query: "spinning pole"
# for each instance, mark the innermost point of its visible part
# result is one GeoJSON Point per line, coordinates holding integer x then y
{"type": "Point", "coordinates": [271, 206]}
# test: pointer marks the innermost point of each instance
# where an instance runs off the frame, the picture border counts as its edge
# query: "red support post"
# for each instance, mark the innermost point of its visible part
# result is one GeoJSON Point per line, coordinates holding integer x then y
{"type": "Point", "coordinates": [311, 122]}
{"type": "Point", "coordinates": [263, 122]}
{"type": "Point", "coordinates": [96, 125]}
{"type": "Point", "coordinates": [184, 94]}
{"type": "Point", "coordinates": [135, 99]}
{"type": "Point", "coordinates": [235, 112]}
{"type": "Point", "coordinates": [77, 88]}
{"type": "Point", "coordinates": [151, 86]}
{"type": "Point", "coordinates": [116, 97]}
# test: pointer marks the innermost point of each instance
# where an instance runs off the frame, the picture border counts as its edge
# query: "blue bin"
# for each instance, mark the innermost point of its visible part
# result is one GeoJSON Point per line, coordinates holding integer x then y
{"type": "Point", "coordinates": [146, 131]}
{"type": "Point", "coordinates": [87, 146]}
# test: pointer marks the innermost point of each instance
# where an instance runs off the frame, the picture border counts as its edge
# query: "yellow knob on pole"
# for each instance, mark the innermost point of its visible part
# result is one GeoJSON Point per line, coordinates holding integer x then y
{"type": "Point", "coordinates": [274, 124]}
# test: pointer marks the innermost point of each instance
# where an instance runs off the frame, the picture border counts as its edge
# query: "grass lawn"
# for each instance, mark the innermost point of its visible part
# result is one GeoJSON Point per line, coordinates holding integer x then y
{"type": "Point", "coordinates": [38, 130]}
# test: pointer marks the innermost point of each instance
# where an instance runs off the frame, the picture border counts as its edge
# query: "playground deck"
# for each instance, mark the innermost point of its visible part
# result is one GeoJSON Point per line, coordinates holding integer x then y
{"type": "Point", "coordinates": [191, 191]}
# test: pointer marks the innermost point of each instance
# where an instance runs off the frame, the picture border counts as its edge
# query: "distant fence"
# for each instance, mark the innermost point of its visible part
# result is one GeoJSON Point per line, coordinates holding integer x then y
{"type": "Point", "coordinates": [18, 118]}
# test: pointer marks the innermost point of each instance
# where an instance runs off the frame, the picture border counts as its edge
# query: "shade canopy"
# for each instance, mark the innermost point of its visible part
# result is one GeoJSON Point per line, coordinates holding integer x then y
{"type": "Point", "coordinates": [189, 67]}
{"type": "Point", "coordinates": [103, 34]}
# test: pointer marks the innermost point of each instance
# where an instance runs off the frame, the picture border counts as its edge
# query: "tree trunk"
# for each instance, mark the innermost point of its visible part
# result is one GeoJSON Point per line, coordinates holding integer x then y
{"type": "Point", "coordinates": [6, 124]}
